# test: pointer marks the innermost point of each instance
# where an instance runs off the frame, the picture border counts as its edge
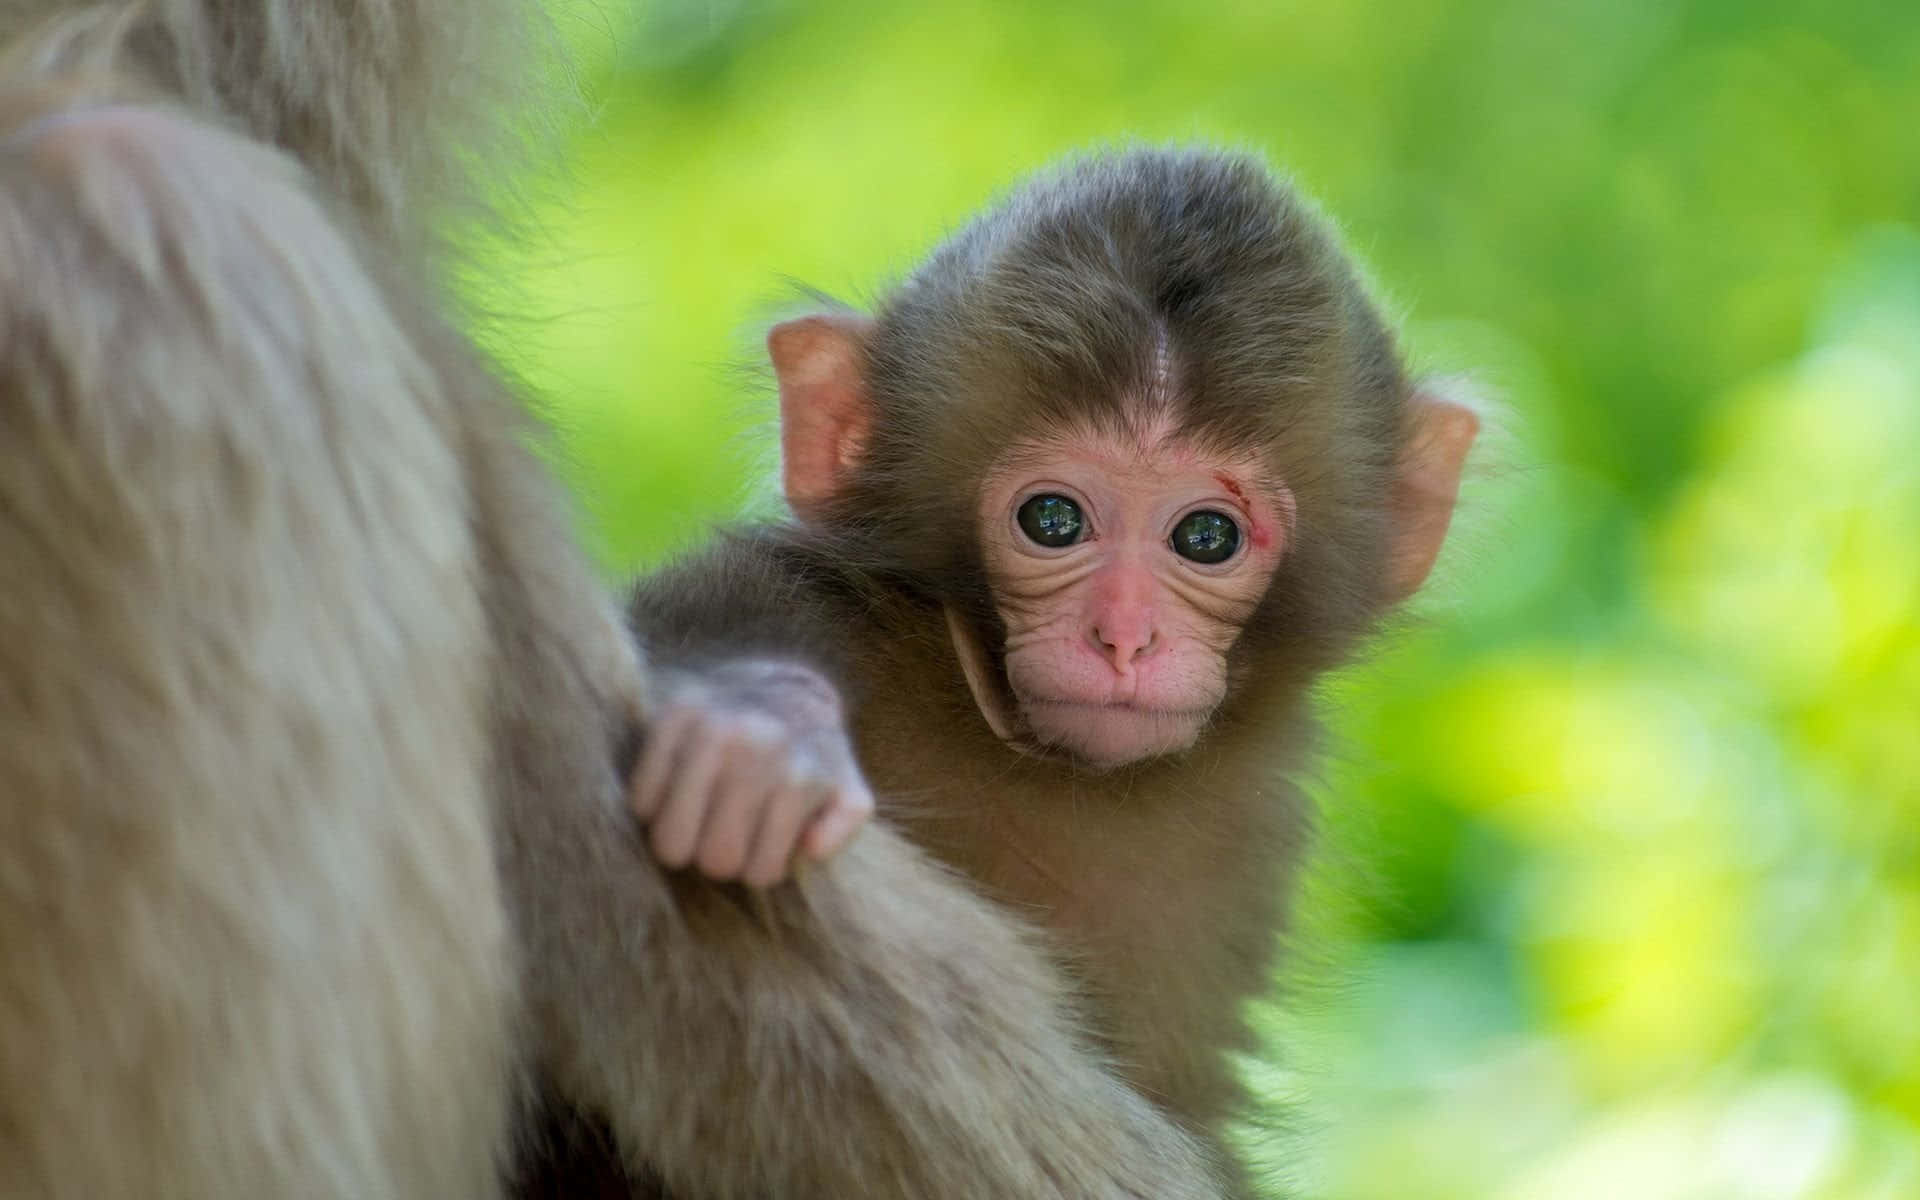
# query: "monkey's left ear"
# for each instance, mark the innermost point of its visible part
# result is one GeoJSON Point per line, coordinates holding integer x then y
{"type": "Point", "coordinates": [825, 414]}
{"type": "Point", "coordinates": [1440, 431]}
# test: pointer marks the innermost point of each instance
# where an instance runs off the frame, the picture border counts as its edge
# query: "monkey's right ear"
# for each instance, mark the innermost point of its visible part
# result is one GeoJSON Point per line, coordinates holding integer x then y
{"type": "Point", "coordinates": [825, 413]}
{"type": "Point", "coordinates": [1441, 425]}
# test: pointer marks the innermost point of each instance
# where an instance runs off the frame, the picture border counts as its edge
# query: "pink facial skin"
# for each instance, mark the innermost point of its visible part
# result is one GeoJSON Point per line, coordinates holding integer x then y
{"type": "Point", "coordinates": [1116, 645]}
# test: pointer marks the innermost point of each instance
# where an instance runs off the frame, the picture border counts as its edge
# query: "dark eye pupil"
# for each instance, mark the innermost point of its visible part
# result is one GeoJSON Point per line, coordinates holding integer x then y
{"type": "Point", "coordinates": [1051, 520]}
{"type": "Point", "coordinates": [1206, 537]}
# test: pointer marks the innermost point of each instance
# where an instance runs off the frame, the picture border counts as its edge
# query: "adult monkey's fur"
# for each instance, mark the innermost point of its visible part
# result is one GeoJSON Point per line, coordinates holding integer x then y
{"type": "Point", "coordinates": [312, 846]}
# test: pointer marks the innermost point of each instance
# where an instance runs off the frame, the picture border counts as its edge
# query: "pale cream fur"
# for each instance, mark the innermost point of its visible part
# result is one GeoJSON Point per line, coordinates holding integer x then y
{"type": "Point", "coordinates": [213, 737]}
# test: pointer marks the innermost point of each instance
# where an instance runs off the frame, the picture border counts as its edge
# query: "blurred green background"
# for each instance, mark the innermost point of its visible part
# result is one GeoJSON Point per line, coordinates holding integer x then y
{"type": "Point", "coordinates": [1620, 893]}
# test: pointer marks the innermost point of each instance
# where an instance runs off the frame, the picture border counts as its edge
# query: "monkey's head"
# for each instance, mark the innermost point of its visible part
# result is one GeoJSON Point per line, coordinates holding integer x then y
{"type": "Point", "coordinates": [1142, 434]}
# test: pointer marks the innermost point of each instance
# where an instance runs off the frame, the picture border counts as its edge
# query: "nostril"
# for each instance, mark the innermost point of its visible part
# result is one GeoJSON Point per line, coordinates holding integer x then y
{"type": "Point", "coordinates": [1123, 647]}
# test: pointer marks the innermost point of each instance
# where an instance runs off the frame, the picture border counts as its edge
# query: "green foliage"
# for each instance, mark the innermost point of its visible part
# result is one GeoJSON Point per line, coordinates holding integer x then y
{"type": "Point", "coordinates": [1622, 887]}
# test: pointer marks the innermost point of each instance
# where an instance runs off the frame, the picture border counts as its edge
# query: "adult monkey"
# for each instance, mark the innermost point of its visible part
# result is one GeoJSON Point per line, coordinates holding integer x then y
{"type": "Point", "coordinates": [1086, 508]}
{"type": "Point", "coordinates": [313, 720]}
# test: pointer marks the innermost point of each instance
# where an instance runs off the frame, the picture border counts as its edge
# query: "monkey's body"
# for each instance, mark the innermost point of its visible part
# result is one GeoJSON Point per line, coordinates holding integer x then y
{"type": "Point", "coordinates": [1160, 889]}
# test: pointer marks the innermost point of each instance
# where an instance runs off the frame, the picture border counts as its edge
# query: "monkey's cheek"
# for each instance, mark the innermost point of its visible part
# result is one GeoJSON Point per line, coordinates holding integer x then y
{"type": "Point", "coordinates": [1107, 736]}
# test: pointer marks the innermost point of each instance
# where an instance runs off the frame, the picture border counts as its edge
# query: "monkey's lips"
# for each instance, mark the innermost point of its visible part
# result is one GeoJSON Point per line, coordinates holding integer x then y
{"type": "Point", "coordinates": [1105, 734]}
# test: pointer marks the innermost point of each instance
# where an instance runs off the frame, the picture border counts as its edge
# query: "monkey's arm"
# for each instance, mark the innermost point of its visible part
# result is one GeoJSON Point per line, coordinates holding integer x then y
{"type": "Point", "coordinates": [754, 594]}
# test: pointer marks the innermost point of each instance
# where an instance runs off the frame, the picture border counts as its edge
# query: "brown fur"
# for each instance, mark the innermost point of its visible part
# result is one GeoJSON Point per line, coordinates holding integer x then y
{"type": "Point", "coordinates": [1190, 277]}
{"type": "Point", "coordinates": [313, 721]}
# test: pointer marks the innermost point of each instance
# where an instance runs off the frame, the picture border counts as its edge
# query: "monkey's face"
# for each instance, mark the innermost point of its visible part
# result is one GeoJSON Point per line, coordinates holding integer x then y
{"type": "Point", "coordinates": [1123, 567]}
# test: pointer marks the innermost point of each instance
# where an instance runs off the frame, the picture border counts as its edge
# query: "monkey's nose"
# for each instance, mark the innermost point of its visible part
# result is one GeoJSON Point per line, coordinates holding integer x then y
{"type": "Point", "coordinates": [1122, 642]}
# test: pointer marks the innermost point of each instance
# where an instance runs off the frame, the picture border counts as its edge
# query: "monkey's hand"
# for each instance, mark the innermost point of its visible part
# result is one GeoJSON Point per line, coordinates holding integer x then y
{"type": "Point", "coordinates": [748, 765]}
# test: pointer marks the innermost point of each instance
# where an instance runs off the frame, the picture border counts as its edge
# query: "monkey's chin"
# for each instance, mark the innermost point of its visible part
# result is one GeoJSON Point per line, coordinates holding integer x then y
{"type": "Point", "coordinates": [1112, 735]}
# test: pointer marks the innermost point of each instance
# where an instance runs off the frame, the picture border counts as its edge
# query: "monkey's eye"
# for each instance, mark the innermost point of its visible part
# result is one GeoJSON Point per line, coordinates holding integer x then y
{"type": "Point", "coordinates": [1051, 520]}
{"type": "Point", "coordinates": [1206, 536]}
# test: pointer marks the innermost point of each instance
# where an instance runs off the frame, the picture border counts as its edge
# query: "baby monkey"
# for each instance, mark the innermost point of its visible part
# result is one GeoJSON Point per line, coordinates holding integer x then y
{"type": "Point", "coordinates": [1081, 513]}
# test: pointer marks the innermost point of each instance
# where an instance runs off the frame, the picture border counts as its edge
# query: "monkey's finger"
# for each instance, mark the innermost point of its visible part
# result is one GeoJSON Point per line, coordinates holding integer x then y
{"type": "Point", "coordinates": [773, 847]}
{"type": "Point", "coordinates": [830, 832]}
{"type": "Point", "coordinates": [736, 812]}
{"type": "Point", "coordinates": [665, 746]}
{"type": "Point", "coordinates": [676, 828]}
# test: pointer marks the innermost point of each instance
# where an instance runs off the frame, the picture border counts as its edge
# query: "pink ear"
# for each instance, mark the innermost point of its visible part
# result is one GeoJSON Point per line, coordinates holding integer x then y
{"type": "Point", "coordinates": [825, 416]}
{"type": "Point", "coordinates": [1440, 431]}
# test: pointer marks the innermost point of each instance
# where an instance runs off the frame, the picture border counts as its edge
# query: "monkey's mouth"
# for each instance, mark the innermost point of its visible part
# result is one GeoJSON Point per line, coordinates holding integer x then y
{"type": "Point", "coordinates": [1107, 734]}
{"type": "Point", "coordinates": [1120, 707]}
